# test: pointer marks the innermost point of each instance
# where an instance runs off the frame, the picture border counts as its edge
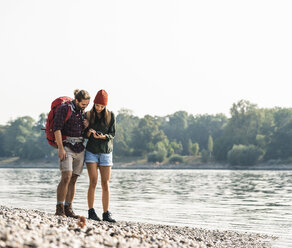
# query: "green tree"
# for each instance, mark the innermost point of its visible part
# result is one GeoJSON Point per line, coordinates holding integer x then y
{"type": "Point", "coordinates": [210, 145]}
{"type": "Point", "coordinates": [177, 147]}
{"type": "Point", "coordinates": [195, 149]}
{"type": "Point", "coordinates": [147, 135]}
{"type": "Point", "coordinates": [204, 156]}
{"type": "Point", "coordinates": [2, 141]}
{"type": "Point", "coordinates": [176, 129]}
{"type": "Point", "coordinates": [189, 147]}
{"type": "Point", "coordinates": [176, 159]}
{"type": "Point", "coordinates": [126, 123]}
{"type": "Point", "coordinates": [39, 148]}
{"type": "Point", "coordinates": [161, 148]}
{"type": "Point", "coordinates": [244, 155]}
{"type": "Point", "coordinates": [41, 123]}
{"type": "Point", "coordinates": [202, 126]}
{"type": "Point", "coordinates": [155, 156]}
{"type": "Point", "coordinates": [17, 135]}
{"type": "Point", "coordinates": [246, 125]}
{"type": "Point", "coordinates": [281, 140]}
{"type": "Point", "coordinates": [221, 146]}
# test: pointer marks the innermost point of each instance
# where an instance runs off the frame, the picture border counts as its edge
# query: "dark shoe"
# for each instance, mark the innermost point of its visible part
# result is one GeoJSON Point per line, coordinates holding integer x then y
{"type": "Point", "coordinates": [92, 215]}
{"type": "Point", "coordinates": [107, 216]}
{"type": "Point", "coordinates": [60, 210]}
{"type": "Point", "coordinates": [69, 212]}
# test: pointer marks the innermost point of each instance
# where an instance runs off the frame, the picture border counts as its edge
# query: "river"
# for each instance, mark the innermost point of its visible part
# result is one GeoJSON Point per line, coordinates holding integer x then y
{"type": "Point", "coordinates": [245, 201]}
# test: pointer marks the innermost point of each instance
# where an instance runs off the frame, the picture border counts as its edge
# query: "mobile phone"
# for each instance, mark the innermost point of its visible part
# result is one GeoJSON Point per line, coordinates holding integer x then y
{"type": "Point", "coordinates": [99, 133]}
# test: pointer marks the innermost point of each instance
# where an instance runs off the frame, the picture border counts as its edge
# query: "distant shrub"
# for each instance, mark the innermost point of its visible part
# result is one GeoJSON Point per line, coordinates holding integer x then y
{"type": "Point", "coordinates": [195, 149]}
{"type": "Point", "coordinates": [244, 155]}
{"type": "Point", "coordinates": [155, 156]}
{"type": "Point", "coordinates": [176, 159]}
{"type": "Point", "coordinates": [221, 147]}
{"type": "Point", "coordinates": [204, 156]}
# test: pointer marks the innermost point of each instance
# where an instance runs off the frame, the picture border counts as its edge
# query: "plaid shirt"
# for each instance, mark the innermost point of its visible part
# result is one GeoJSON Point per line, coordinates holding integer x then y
{"type": "Point", "coordinates": [73, 127]}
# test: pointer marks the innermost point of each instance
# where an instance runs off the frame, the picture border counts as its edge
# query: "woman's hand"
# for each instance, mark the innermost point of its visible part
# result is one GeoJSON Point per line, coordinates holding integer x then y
{"type": "Point", "coordinates": [90, 131]}
{"type": "Point", "coordinates": [95, 134]}
{"type": "Point", "coordinates": [98, 136]}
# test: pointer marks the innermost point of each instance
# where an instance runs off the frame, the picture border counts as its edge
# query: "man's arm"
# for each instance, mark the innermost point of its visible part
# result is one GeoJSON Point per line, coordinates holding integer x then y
{"type": "Point", "coordinates": [59, 123]}
{"type": "Point", "coordinates": [61, 150]}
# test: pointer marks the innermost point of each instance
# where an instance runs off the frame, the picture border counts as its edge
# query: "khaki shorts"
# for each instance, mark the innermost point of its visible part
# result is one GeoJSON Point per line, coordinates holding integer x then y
{"type": "Point", "coordinates": [73, 162]}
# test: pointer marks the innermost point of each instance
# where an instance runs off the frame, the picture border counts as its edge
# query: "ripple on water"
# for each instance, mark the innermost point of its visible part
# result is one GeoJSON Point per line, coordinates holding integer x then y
{"type": "Point", "coordinates": [248, 201]}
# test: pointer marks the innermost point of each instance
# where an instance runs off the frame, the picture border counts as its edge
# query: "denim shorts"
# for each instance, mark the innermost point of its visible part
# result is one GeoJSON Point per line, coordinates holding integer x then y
{"type": "Point", "coordinates": [103, 159]}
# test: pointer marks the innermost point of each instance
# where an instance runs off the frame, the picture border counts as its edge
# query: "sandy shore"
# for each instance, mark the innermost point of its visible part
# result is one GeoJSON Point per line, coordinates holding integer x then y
{"type": "Point", "coordinates": [33, 228]}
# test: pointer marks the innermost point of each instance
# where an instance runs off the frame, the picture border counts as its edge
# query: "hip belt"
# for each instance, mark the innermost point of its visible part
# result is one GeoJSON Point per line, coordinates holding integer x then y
{"type": "Point", "coordinates": [73, 140]}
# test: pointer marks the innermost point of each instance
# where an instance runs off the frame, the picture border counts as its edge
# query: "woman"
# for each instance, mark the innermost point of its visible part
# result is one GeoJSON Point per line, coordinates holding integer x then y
{"type": "Point", "coordinates": [98, 155]}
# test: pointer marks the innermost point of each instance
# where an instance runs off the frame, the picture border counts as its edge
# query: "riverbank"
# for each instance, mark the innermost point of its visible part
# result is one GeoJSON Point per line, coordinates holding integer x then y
{"type": "Point", "coordinates": [54, 165]}
{"type": "Point", "coordinates": [33, 228]}
{"type": "Point", "coordinates": [142, 164]}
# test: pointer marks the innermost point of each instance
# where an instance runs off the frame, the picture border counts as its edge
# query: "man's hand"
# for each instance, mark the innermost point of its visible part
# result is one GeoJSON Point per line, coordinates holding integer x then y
{"type": "Point", "coordinates": [62, 154]}
{"type": "Point", "coordinates": [61, 151]}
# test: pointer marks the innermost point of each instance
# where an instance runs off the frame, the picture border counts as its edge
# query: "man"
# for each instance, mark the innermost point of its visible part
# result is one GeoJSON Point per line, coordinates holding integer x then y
{"type": "Point", "coordinates": [70, 150]}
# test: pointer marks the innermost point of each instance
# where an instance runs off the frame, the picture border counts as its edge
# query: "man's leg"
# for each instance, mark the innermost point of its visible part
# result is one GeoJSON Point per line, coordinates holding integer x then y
{"type": "Point", "coordinates": [71, 188]}
{"type": "Point", "coordinates": [77, 164]}
{"type": "Point", "coordinates": [62, 191]}
{"type": "Point", "coordinates": [66, 170]}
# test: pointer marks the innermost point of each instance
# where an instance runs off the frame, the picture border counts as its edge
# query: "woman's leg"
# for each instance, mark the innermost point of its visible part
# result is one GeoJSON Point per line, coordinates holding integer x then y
{"type": "Point", "coordinates": [105, 173]}
{"type": "Point", "coordinates": [92, 173]}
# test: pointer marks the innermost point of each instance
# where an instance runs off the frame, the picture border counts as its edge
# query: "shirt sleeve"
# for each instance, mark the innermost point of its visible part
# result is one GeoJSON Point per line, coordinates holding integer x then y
{"type": "Point", "coordinates": [60, 116]}
{"type": "Point", "coordinates": [112, 130]}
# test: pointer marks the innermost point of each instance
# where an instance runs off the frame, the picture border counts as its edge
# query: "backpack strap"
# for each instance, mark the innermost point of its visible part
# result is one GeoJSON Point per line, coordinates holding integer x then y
{"type": "Point", "coordinates": [70, 110]}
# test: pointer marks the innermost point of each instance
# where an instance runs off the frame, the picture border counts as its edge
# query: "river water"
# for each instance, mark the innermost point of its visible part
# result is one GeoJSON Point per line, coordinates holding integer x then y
{"type": "Point", "coordinates": [245, 201]}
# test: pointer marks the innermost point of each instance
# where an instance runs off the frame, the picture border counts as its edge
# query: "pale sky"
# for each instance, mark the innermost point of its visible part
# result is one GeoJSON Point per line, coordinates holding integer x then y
{"type": "Point", "coordinates": [153, 57]}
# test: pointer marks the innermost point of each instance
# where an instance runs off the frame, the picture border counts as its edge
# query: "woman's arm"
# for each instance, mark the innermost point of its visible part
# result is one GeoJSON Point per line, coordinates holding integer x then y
{"type": "Point", "coordinates": [111, 133]}
{"type": "Point", "coordinates": [112, 129]}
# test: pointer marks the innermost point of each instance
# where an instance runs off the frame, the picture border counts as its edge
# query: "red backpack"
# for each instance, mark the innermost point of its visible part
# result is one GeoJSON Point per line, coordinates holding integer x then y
{"type": "Point", "coordinates": [50, 120]}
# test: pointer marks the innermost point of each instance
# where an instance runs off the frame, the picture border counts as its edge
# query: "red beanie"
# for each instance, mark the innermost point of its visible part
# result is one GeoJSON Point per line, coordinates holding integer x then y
{"type": "Point", "coordinates": [101, 98]}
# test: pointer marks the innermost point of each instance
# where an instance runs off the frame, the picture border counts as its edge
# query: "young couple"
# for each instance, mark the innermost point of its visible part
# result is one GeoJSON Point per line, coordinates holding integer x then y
{"type": "Point", "coordinates": [98, 126]}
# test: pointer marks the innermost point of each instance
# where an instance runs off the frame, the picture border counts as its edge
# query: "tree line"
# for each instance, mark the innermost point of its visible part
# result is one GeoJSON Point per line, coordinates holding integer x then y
{"type": "Point", "coordinates": [249, 136]}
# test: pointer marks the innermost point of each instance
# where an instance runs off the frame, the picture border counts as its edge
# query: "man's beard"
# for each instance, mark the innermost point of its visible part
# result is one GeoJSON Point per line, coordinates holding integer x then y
{"type": "Point", "coordinates": [79, 107]}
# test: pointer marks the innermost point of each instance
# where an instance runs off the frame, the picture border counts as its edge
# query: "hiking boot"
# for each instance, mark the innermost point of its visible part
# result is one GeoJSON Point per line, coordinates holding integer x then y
{"type": "Point", "coordinates": [92, 215]}
{"type": "Point", "coordinates": [69, 212]}
{"type": "Point", "coordinates": [60, 210]}
{"type": "Point", "coordinates": [107, 216]}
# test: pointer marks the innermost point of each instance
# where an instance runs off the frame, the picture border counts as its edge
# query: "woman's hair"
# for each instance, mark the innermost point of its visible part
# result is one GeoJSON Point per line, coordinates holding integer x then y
{"type": "Point", "coordinates": [81, 95]}
{"type": "Point", "coordinates": [104, 116]}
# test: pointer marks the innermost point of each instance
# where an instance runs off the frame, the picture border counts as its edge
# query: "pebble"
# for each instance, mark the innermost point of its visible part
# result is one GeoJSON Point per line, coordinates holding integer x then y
{"type": "Point", "coordinates": [33, 228]}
